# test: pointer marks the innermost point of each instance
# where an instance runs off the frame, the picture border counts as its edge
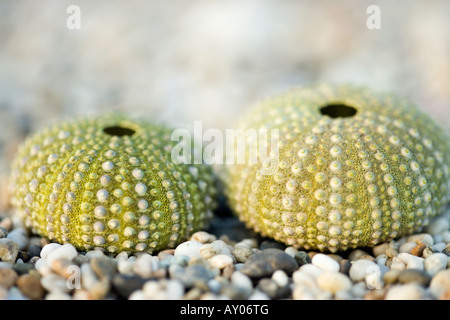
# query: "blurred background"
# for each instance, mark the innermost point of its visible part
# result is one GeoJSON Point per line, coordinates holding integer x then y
{"type": "Point", "coordinates": [183, 60]}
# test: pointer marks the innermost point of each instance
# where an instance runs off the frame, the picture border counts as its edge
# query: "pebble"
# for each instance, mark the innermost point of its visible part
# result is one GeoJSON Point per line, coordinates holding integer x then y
{"type": "Point", "coordinates": [54, 283]}
{"type": "Point", "coordinates": [424, 237]}
{"type": "Point", "coordinates": [145, 265]}
{"type": "Point", "coordinates": [397, 264]}
{"type": "Point", "coordinates": [414, 276]}
{"type": "Point", "coordinates": [8, 277]}
{"type": "Point", "coordinates": [242, 282]}
{"type": "Point", "coordinates": [410, 291]}
{"type": "Point", "coordinates": [360, 268]}
{"type": "Point", "coordinates": [333, 281]}
{"type": "Point", "coordinates": [189, 249]}
{"type": "Point", "coordinates": [8, 250]}
{"type": "Point", "coordinates": [19, 236]}
{"type": "Point", "coordinates": [272, 289]}
{"type": "Point", "coordinates": [49, 248]}
{"type": "Point", "coordinates": [221, 261]}
{"type": "Point", "coordinates": [242, 253]}
{"type": "Point", "coordinates": [104, 267]}
{"type": "Point", "coordinates": [125, 285]}
{"type": "Point", "coordinates": [407, 247]}
{"type": "Point", "coordinates": [435, 263]}
{"type": "Point", "coordinates": [325, 262]}
{"type": "Point", "coordinates": [391, 276]}
{"type": "Point", "coordinates": [418, 249]}
{"type": "Point", "coordinates": [281, 278]}
{"type": "Point", "coordinates": [411, 261]}
{"type": "Point", "coordinates": [440, 283]}
{"type": "Point", "coordinates": [265, 262]}
{"type": "Point", "coordinates": [193, 275]}
{"type": "Point", "coordinates": [3, 232]}
{"type": "Point", "coordinates": [302, 258]}
{"type": "Point", "coordinates": [66, 251]}
{"type": "Point", "coordinates": [311, 270]}
{"type": "Point", "coordinates": [221, 247]}
{"type": "Point", "coordinates": [30, 286]}
{"type": "Point", "coordinates": [447, 250]}
{"type": "Point", "coordinates": [302, 279]}
{"type": "Point", "coordinates": [203, 237]}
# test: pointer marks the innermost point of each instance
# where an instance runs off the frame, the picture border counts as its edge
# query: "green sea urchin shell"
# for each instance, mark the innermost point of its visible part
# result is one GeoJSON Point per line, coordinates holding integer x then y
{"type": "Point", "coordinates": [109, 182]}
{"type": "Point", "coordinates": [355, 168]}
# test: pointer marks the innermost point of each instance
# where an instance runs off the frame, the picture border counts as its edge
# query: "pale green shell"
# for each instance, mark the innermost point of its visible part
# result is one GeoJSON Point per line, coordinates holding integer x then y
{"type": "Point", "coordinates": [343, 182]}
{"type": "Point", "coordinates": [109, 182]}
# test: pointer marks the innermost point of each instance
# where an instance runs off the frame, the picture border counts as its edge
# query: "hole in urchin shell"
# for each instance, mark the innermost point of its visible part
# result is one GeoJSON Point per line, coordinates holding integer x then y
{"type": "Point", "coordinates": [338, 111]}
{"type": "Point", "coordinates": [118, 131]}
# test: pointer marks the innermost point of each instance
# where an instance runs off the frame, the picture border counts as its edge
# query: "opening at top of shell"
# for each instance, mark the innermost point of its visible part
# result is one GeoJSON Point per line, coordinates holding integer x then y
{"type": "Point", "coordinates": [118, 131]}
{"type": "Point", "coordinates": [338, 110]}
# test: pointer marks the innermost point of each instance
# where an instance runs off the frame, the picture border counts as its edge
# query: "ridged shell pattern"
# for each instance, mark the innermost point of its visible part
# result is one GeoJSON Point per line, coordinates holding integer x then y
{"type": "Point", "coordinates": [342, 181]}
{"type": "Point", "coordinates": [109, 182]}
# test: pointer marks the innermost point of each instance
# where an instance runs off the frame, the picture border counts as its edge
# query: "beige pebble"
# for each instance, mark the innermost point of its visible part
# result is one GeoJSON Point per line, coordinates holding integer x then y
{"type": "Point", "coordinates": [203, 237]}
{"type": "Point", "coordinates": [333, 281]}
{"type": "Point", "coordinates": [440, 283]}
{"type": "Point", "coordinates": [242, 253]}
{"type": "Point", "coordinates": [424, 237]}
{"type": "Point", "coordinates": [221, 261]}
{"type": "Point", "coordinates": [410, 291]}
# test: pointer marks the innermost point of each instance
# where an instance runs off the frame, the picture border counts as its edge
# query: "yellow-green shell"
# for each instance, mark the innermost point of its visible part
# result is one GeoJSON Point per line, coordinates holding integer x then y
{"type": "Point", "coordinates": [109, 182]}
{"type": "Point", "coordinates": [342, 182]}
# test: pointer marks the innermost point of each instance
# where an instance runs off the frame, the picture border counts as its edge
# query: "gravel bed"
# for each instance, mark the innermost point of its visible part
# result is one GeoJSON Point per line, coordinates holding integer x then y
{"type": "Point", "coordinates": [226, 261]}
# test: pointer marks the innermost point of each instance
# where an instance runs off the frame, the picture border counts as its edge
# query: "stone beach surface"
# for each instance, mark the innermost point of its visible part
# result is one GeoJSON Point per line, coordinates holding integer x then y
{"type": "Point", "coordinates": [226, 262]}
{"type": "Point", "coordinates": [182, 61]}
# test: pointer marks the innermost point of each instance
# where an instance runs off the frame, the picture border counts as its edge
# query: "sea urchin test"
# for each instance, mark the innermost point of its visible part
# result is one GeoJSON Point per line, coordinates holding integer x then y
{"type": "Point", "coordinates": [109, 182]}
{"type": "Point", "coordinates": [355, 168]}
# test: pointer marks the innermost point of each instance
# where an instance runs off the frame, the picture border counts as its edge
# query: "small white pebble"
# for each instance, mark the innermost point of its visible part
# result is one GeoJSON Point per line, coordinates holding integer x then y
{"type": "Point", "coordinates": [303, 279]}
{"type": "Point", "coordinates": [125, 266]}
{"type": "Point", "coordinates": [242, 281]}
{"type": "Point", "coordinates": [42, 267]}
{"type": "Point", "coordinates": [411, 261]}
{"type": "Point", "coordinates": [207, 251]}
{"type": "Point", "coordinates": [49, 248]}
{"type": "Point", "coordinates": [334, 281]}
{"type": "Point", "coordinates": [440, 283]}
{"type": "Point", "coordinates": [311, 270]}
{"type": "Point", "coordinates": [242, 253]}
{"type": "Point", "coordinates": [397, 264]}
{"type": "Point", "coordinates": [203, 237]}
{"type": "Point", "coordinates": [360, 268]}
{"type": "Point", "coordinates": [137, 295]}
{"type": "Point", "coordinates": [325, 262]}
{"type": "Point", "coordinates": [221, 261]}
{"type": "Point", "coordinates": [57, 295]}
{"type": "Point", "coordinates": [94, 254]}
{"type": "Point", "coordinates": [54, 283]}
{"type": "Point", "coordinates": [189, 249]}
{"type": "Point", "coordinates": [145, 265]}
{"type": "Point", "coordinates": [221, 247]}
{"type": "Point", "coordinates": [66, 251]}
{"type": "Point", "coordinates": [424, 237]}
{"type": "Point", "coordinates": [407, 247]}
{"type": "Point", "coordinates": [435, 263]}
{"type": "Point", "coordinates": [258, 295]}
{"type": "Point", "coordinates": [410, 291]}
{"type": "Point", "coordinates": [280, 277]}
{"type": "Point", "coordinates": [249, 243]}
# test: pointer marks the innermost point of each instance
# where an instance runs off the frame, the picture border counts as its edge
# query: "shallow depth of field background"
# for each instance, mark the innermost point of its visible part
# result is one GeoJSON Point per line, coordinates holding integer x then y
{"type": "Point", "coordinates": [184, 60]}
